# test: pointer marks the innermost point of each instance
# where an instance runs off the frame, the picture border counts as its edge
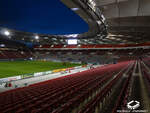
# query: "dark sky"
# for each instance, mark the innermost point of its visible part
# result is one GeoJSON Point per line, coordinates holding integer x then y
{"type": "Point", "coordinates": [40, 16]}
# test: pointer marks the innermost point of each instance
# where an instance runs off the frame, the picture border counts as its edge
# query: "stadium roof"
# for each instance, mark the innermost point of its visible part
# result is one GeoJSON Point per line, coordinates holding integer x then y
{"type": "Point", "coordinates": [127, 20]}
{"type": "Point", "coordinates": [109, 22]}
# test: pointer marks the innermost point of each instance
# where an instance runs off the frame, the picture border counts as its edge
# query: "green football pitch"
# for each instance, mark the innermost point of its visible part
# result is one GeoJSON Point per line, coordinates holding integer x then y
{"type": "Point", "coordinates": [14, 68]}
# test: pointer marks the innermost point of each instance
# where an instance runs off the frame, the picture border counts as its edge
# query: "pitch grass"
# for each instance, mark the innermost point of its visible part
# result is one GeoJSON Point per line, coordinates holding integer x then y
{"type": "Point", "coordinates": [14, 68]}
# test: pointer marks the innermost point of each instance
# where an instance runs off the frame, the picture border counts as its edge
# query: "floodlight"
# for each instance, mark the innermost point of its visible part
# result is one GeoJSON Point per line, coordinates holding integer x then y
{"type": "Point", "coordinates": [74, 9]}
{"type": "Point", "coordinates": [72, 35]}
{"type": "Point", "coordinates": [7, 33]}
{"type": "Point", "coordinates": [36, 37]}
{"type": "Point", "coordinates": [2, 45]}
{"type": "Point", "coordinates": [99, 22]}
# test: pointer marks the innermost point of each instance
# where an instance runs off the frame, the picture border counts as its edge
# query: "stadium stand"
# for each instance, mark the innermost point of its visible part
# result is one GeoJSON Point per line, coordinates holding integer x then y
{"type": "Point", "coordinates": [65, 94]}
{"type": "Point", "coordinates": [14, 54]}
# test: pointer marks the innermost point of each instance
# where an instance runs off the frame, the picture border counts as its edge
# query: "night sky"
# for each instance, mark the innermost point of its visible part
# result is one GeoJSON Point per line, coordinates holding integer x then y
{"type": "Point", "coordinates": [40, 16]}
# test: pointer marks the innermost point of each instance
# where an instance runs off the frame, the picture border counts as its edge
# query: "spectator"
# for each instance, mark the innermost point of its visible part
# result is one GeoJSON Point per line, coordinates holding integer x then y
{"type": "Point", "coordinates": [10, 85]}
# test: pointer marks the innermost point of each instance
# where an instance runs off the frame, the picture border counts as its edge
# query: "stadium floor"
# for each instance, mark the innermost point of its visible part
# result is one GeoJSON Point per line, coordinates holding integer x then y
{"type": "Point", "coordinates": [14, 68]}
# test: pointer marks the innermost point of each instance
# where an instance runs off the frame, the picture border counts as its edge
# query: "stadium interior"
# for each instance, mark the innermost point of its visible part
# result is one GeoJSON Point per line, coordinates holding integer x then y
{"type": "Point", "coordinates": [75, 56]}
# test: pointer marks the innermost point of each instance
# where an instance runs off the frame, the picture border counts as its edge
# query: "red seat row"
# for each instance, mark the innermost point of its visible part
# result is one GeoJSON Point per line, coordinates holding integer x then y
{"type": "Point", "coordinates": [90, 107]}
{"type": "Point", "coordinates": [122, 98]}
{"type": "Point", "coordinates": [14, 54]}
